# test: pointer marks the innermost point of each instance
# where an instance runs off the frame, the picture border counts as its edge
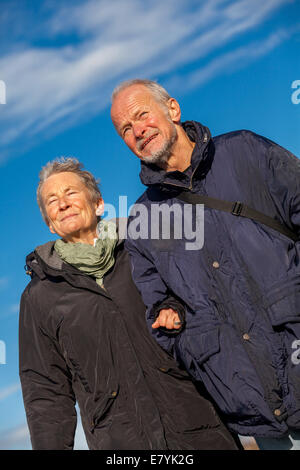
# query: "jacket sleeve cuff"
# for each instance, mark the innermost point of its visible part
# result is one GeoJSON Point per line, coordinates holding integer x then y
{"type": "Point", "coordinates": [170, 302]}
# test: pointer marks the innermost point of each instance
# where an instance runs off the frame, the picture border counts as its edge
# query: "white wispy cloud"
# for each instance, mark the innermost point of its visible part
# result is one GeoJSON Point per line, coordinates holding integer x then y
{"type": "Point", "coordinates": [8, 311]}
{"type": "Point", "coordinates": [96, 43]}
{"type": "Point", "coordinates": [9, 390]}
{"type": "Point", "coordinates": [14, 308]}
{"type": "Point", "coordinates": [4, 281]}
{"type": "Point", "coordinates": [15, 439]}
{"type": "Point", "coordinates": [231, 61]}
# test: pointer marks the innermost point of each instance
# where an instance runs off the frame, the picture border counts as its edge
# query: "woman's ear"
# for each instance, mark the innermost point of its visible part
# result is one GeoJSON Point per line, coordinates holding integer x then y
{"type": "Point", "coordinates": [51, 228]}
{"type": "Point", "coordinates": [100, 208]}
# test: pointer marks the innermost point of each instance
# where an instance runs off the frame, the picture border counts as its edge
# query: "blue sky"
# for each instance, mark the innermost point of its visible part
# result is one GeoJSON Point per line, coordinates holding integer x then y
{"type": "Point", "coordinates": [230, 64]}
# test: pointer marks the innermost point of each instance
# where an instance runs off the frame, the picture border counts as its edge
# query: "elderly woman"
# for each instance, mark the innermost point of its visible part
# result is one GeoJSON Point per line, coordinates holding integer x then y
{"type": "Point", "coordinates": [83, 338]}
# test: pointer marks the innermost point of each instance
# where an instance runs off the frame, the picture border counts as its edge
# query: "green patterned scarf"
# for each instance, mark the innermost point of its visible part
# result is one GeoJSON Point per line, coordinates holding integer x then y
{"type": "Point", "coordinates": [92, 260]}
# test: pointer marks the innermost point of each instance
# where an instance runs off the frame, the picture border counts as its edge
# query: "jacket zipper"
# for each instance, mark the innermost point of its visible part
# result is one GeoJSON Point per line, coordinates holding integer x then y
{"type": "Point", "coordinates": [205, 139]}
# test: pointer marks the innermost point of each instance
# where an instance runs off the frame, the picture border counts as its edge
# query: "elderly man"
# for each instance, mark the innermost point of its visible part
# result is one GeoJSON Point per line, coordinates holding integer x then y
{"type": "Point", "coordinates": [233, 300]}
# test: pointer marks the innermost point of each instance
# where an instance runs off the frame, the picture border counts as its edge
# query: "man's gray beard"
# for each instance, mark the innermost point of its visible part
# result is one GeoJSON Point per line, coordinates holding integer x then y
{"type": "Point", "coordinates": [162, 155]}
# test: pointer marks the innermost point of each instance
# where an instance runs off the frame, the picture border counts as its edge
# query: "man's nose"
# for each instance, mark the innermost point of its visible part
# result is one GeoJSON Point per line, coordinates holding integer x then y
{"type": "Point", "coordinates": [139, 129]}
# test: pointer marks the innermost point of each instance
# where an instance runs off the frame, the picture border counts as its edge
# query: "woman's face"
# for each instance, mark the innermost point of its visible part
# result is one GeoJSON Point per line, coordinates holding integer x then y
{"type": "Point", "coordinates": [70, 210]}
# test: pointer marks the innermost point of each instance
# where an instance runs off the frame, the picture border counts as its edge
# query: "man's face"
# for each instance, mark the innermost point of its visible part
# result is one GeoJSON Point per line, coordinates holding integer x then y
{"type": "Point", "coordinates": [144, 124]}
{"type": "Point", "coordinates": [68, 204]}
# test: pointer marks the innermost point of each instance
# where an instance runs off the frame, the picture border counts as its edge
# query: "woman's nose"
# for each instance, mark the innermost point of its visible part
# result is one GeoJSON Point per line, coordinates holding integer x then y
{"type": "Point", "coordinates": [63, 203]}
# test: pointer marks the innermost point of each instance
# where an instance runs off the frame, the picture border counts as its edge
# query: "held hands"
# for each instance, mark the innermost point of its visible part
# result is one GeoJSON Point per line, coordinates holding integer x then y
{"type": "Point", "coordinates": [168, 318]}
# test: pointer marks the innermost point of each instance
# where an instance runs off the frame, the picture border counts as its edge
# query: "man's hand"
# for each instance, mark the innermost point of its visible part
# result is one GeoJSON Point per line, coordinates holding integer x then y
{"type": "Point", "coordinates": [167, 318]}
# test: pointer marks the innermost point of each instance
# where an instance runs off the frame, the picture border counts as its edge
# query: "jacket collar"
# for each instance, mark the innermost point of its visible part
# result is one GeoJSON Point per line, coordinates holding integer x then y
{"type": "Point", "coordinates": [44, 261]}
{"type": "Point", "coordinates": [153, 175]}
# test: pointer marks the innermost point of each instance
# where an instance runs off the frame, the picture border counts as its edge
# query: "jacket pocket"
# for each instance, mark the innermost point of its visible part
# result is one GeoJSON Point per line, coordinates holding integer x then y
{"type": "Point", "coordinates": [217, 358]}
{"type": "Point", "coordinates": [103, 407]}
{"type": "Point", "coordinates": [283, 308]}
{"type": "Point", "coordinates": [204, 345]}
{"type": "Point", "coordinates": [282, 302]}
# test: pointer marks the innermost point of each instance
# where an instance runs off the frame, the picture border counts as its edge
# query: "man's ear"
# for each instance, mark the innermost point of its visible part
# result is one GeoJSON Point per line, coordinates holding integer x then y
{"type": "Point", "coordinates": [174, 110]}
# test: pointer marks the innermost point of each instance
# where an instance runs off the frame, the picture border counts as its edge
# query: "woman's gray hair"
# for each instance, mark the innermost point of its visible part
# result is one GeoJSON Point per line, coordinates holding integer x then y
{"type": "Point", "coordinates": [158, 92]}
{"type": "Point", "coordinates": [60, 165]}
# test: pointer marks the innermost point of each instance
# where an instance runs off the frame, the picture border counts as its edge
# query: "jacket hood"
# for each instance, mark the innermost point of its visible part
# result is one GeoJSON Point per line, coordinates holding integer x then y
{"type": "Point", "coordinates": [44, 259]}
{"type": "Point", "coordinates": [153, 175]}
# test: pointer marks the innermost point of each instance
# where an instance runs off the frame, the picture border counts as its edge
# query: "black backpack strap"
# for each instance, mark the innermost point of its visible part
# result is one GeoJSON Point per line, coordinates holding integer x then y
{"type": "Point", "coordinates": [237, 209]}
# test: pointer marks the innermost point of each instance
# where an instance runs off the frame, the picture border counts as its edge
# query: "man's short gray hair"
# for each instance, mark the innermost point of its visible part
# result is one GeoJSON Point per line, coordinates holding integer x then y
{"type": "Point", "coordinates": [60, 165]}
{"type": "Point", "coordinates": [158, 92]}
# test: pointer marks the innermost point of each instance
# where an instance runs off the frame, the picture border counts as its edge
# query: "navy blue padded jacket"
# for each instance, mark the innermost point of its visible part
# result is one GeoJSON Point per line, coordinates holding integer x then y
{"type": "Point", "coordinates": [241, 289]}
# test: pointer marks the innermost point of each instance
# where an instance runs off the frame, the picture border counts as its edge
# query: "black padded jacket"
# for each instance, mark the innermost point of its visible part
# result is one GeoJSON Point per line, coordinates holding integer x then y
{"type": "Point", "coordinates": [82, 343]}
